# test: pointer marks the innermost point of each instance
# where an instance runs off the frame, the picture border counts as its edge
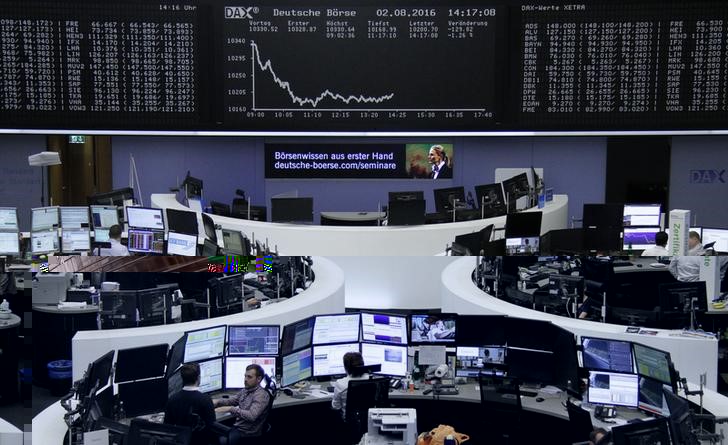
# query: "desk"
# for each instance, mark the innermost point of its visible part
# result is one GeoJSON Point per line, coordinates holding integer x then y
{"type": "Point", "coordinates": [351, 218]}
{"type": "Point", "coordinates": [692, 356]}
{"type": "Point", "coordinates": [53, 329]}
{"type": "Point", "coordinates": [424, 240]}
{"type": "Point", "coordinates": [9, 356]}
{"type": "Point", "coordinates": [9, 435]}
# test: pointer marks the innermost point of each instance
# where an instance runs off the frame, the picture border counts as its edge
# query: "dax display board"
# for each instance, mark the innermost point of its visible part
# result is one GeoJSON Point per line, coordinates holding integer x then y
{"type": "Point", "coordinates": [363, 66]}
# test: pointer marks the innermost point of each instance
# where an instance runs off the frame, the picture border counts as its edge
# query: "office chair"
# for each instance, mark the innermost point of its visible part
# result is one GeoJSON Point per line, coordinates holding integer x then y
{"type": "Point", "coordinates": [239, 209]}
{"type": "Point", "coordinates": [500, 400]}
{"type": "Point", "coordinates": [219, 208]}
{"type": "Point", "coordinates": [580, 422]}
{"type": "Point", "coordinates": [360, 396]}
{"type": "Point", "coordinates": [143, 432]}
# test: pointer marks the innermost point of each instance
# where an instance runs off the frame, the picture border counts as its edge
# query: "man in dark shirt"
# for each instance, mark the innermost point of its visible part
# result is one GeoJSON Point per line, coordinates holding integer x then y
{"type": "Point", "coordinates": [182, 406]}
{"type": "Point", "coordinates": [250, 405]}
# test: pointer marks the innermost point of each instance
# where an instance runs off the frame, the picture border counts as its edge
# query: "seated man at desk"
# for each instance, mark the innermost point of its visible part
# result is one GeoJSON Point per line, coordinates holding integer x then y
{"type": "Point", "coordinates": [117, 249]}
{"type": "Point", "coordinates": [694, 244]}
{"type": "Point", "coordinates": [190, 401]}
{"type": "Point", "coordinates": [353, 361]}
{"type": "Point", "coordinates": [659, 248]}
{"type": "Point", "coordinates": [250, 405]}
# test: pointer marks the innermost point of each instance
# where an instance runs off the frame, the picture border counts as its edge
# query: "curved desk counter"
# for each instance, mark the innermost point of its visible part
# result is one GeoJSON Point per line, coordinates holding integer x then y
{"type": "Point", "coordinates": [692, 356]}
{"type": "Point", "coordinates": [325, 296]}
{"type": "Point", "coordinates": [423, 240]}
{"type": "Point", "coordinates": [10, 435]}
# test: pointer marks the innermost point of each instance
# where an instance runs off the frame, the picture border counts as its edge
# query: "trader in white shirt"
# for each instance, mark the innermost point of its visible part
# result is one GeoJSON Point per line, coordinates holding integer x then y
{"type": "Point", "coordinates": [117, 249]}
{"type": "Point", "coordinates": [694, 244]}
{"type": "Point", "coordinates": [659, 248]}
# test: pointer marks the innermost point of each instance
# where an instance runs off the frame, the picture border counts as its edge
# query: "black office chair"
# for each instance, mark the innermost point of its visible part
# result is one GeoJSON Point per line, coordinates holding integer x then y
{"type": "Point", "coordinates": [220, 208]}
{"type": "Point", "coordinates": [143, 432]}
{"type": "Point", "coordinates": [580, 422]}
{"type": "Point", "coordinates": [239, 209]}
{"type": "Point", "coordinates": [500, 400]}
{"type": "Point", "coordinates": [360, 396]}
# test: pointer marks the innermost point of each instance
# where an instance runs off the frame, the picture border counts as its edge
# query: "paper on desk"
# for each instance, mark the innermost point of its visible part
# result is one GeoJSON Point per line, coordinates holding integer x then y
{"type": "Point", "coordinates": [550, 389]}
{"type": "Point", "coordinates": [314, 386]}
{"type": "Point", "coordinates": [432, 355]}
{"type": "Point", "coordinates": [100, 437]}
{"type": "Point", "coordinates": [317, 393]}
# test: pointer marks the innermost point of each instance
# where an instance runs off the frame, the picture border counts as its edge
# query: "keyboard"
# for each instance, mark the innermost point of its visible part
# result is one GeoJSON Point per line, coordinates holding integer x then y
{"type": "Point", "coordinates": [447, 392]}
{"type": "Point", "coordinates": [527, 393]}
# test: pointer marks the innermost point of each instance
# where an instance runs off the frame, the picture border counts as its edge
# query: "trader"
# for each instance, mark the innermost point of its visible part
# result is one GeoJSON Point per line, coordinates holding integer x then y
{"type": "Point", "coordinates": [694, 244]}
{"type": "Point", "coordinates": [659, 248]}
{"type": "Point", "coordinates": [251, 405]}
{"type": "Point", "coordinates": [441, 166]}
{"type": "Point", "coordinates": [192, 408]}
{"type": "Point", "coordinates": [353, 361]}
{"type": "Point", "coordinates": [117, 249]}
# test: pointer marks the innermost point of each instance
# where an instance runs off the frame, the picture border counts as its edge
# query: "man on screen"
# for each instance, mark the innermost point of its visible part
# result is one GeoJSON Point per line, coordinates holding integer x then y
{"type": "Point", "coordinates": [441, 165]}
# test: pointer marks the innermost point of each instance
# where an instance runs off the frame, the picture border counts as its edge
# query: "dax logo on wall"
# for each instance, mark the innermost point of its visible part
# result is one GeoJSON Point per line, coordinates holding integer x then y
{"type": "Point", "coordinates": [707, 176]}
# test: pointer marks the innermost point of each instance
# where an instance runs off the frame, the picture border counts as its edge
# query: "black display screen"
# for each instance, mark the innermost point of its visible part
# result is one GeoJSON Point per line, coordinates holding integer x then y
{"type": "Point", "coordinates": [364, 66]}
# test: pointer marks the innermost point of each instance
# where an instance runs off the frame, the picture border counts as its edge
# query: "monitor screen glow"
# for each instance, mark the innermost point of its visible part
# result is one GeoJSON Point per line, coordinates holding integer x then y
{"type": "Point", "coordinates": [254, 340]}
{"type": "Point", "coordinates": [609, 388]}
{"type": "Point", "coordinates": [336, 329]}
{"type": "Point", "coordinates": [74, 217]}
{"type": "Point", "coordinates": [328, 359]}
{"type": "Point", "coordinates": [104, 216]}
{"type": "Point", "coordinates": [522, 246]}
{"type": "Point", "coordinates": [44, 218]}
{"type": "Point", "coordinates": [642, 215]}
{"type": "Point", "coordinates": [652, 363]}
{"type": "Point", "coordinates": [392, 358]}
{"type": "Point", "coordinates": [44, 242]}
{"type": "Point", "coordinates": [607, 355]}
{"type": "Point", "coordinates": [181, 244]}
{"type": "Point", "coordinates": [211, 375]}
{"type": "Point", "coordinates": [146, 241]}
{"type": "Point", "coordinates": [471, 360]}
{"type": "Point", "coordinates": [639, 238]}
{"type": "Point", "coordinates": [205, 344]}
{"type": "Point", "coordinates": [384, 328]}
{"type": "Point", "coordinates": [9, 243]}
{"type": "Point", "coordinates": [436, 328]}
{"type": "Point", "coordinates": [718, 236]}
{"type": "Point", "coordinates": [8, 219]}
{"type": "Point", "coordinates": [75, 240]}
{"type": "Point", "coordinates": [145, 218]}
{"type": "Point", "coordinates": [296, 367]}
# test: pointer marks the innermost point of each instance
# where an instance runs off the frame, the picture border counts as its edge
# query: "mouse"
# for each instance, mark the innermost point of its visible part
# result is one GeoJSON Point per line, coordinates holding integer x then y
{"type": "Point", "coordinates": [639, 265]}
{"type": "Point", "coordinates": [539, 399]}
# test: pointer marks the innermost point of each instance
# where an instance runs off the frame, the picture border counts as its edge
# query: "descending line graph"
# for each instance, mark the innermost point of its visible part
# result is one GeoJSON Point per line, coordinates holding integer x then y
{"type": "Point", "coordinates": [303, 101]}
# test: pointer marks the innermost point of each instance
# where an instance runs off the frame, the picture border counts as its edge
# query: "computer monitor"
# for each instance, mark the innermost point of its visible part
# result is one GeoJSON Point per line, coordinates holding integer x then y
{"type": "Point", "coordinates": [653, 431]}
{"type": "Point", "coordinates": [296, 367]}
{"type": "Point", "coordinates": [642, 215]}
{"type": "Point", "coordinates": [717, 236]}
{"type": "Point", "coordinates": [44, 218]}
{"type": "Point", "coordinates": [297, 335]}
{"type": "Point", "coordinates": [204, 344]}
{"type": "Point", "coordinates": [481, 329]}
{"type": "Point", "coordinates": [143, 396]}
{"type": "Point", "coordinates": [209, 248]}
{"type": "Point", "coordinates": [490, 198]}
{"type": "Point", "coordinates": [681, 427]}
{"type": "Point", "coordinates": [140, 363]}
{"type": "Point", "coordinates": [528, 246]}
{"type": "Point", "coordinates": [406, 213]}
{"type": "Point", "coordinates": [182, 221]}
{"type": "Point", "coordinates": [119, 307]}
{"type": "Point", "coordinates": [145, 241]}
{"type": "Point", "coordinates": [407, 196]}
{"type": "Point", "coordinates": [566, 287]}
{"type": "Point", "coordinates": [253, 340]}
{"type": "Point", "coordinates": [44, 242]}
{"type": "Point", "coordinates": [104, 217]}
{"type": "Point", "coordinates": [343, 328]}
{"type": "Point", "coordinates": [522, 225]}
{"type": "Point", "coordinates": [603, 215]}
{"type": "Point", "coordinates": [211, 375]}
{"type": "Point", "coordinates": [393, 358]}
{"type": "Point", "coordinates": [291, 210]}
{"type": "Point", "coordinates": [472, 360]}
{"type": "Point", "coordinates": [101, 371]}
{"type": "Point", "coordinates": [75, 218]}
{"type": "Point", "coordinates": [652, 362]}
{"type": "Point", "coordinates": [532, 365]}
{"type": "Point", "coordinates": [611, 388]}
{"type": "Point", "coordinates": [9, 243]}
{"type": "Point", "coordinates": [115, 197]}
{"type": "Point", "coordinates": [181, 244]}
{"type": "Point", "coordinates": [145, 218]}
{"type": "Point", "coordinates": [601, 354]}
{"type": "Point", "coordinates": [677, 299]}
{"type": "Point", "coordinates": [234, 243]}
{"type": "Point", "coordinates": [176, 355]}
{"type": "Point", "coordinates": [174, 384]}
{"type": "Point", "coordinates": [9, 219]}
{"type": "Point", "coordinates": [226, 290]}
{"type": "Point", "coordinates": [143, 432]}
{"type": "Point", "coordinates": [101, 235]}
{"type": "Point", "coordinates": [154, 304]}
{"type": "Point", "coordinates": [235, 369]}
{"type": "Point", "coordinates": [384, 328]}
{"type": "Point", "coordinates": [432, 328]}
{"type": "Point", "coordinates": [639, 238]}
{"type": "Point", "coordinates": [328, 359]}
{"type": "Point", "coordinates": [446, 198]}
{"type": "Point", "coordinates": [603, 239]}
{"type": "Point", "coordinates": [515, 188]}
{"type": "Point", "coordinates": [652, 398]}
{"type": "Point", "coordinates": [75, 240]}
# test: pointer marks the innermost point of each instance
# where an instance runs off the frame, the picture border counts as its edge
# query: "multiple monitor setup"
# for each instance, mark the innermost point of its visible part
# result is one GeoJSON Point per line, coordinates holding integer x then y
{"type": "Point", "coordinates": [408, 207]}
{"type": "Point", "coordinates": [9, 232]}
